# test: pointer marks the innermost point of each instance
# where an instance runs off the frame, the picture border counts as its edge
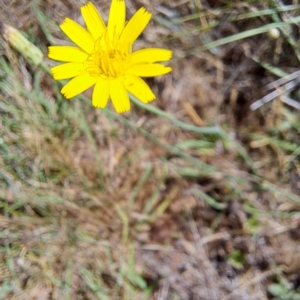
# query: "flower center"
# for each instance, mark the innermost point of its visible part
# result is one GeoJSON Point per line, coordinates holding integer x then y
{"type": "Point", "coordinates": [106, 60]}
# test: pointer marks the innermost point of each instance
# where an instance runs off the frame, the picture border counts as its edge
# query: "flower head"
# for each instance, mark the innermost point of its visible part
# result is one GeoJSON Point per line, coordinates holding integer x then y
{"type": "Point", "coordinates": [28, 50]}
{"type": "Point", "coordinates": [104, 58]}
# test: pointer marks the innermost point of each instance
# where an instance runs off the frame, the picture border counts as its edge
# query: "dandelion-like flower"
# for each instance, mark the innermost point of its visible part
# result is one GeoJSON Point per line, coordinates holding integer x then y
{"type": "Point", "coordinates": [104, 57]}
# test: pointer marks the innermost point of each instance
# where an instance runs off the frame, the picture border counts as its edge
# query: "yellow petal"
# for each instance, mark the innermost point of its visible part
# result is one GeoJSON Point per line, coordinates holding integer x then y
{"type": "Point", "coordinates": [116, 19]}
{"type": "Point", "coordinates": [138, 88]}
{"type": "Point", "coordinates": [134, 28]}
{"type": "Point", "coordinates": [150, 55]}
{"type": "Point", "coordinates": [148, 70]}
{"type": "Point", "coordinates": [67, 54]}
{"type": "Point", "coordinates": [119, 96]}
{"type": "Point", "coordinates": [77, 85]}
{"type": "Point", "coordinates": [78, 35]}
{"type": "Point", "coordinates": [101, 93]}
{"type": "Point", "coordinates": [93, 20]}
{"type": "Point", "coordinates": [67, 70]}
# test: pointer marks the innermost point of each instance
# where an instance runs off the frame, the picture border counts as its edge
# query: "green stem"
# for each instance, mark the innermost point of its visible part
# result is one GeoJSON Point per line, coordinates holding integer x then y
{"type": "Point", "coordinates": [202, 130]}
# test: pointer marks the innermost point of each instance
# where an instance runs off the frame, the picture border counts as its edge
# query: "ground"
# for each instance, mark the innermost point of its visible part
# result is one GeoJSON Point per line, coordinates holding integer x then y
{"type": "Point", "coordinates": [193, 196]}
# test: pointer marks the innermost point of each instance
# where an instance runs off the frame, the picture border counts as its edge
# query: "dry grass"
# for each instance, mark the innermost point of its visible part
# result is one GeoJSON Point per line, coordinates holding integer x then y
{"type": "Point", "coordinates": [94, 205]}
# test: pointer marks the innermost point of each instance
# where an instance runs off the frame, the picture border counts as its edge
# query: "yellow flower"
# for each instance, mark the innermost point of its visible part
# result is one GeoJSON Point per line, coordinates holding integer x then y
{"type": "Point", "coordinates": [104, 57]}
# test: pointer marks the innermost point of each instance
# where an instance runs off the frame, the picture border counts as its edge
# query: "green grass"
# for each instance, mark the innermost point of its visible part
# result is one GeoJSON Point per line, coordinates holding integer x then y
{"type": "Point", "coordinates": [85, 192]}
